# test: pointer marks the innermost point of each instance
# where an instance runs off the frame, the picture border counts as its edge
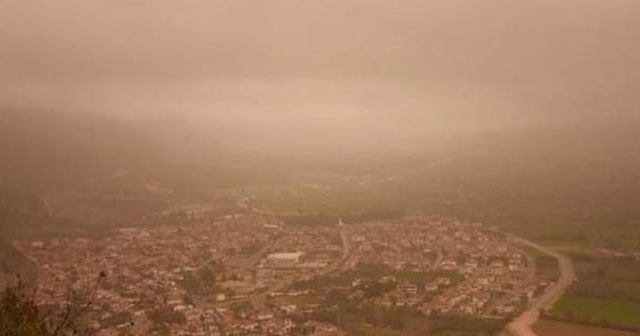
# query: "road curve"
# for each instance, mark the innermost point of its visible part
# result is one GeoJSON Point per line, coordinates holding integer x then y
{"type": "Point", "coordinates": [521, 326]}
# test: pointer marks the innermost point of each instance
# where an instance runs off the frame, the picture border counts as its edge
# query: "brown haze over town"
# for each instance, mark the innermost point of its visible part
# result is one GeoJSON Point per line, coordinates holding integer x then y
{"type": "Point", "coordinates": [444, 165]}
{"type": "Point", "coordinates": [370, 70]}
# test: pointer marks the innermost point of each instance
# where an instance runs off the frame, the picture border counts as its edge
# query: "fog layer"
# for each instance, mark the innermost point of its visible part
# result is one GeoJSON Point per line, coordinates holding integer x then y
{"type": "Point", "coordinates": [355, 71]}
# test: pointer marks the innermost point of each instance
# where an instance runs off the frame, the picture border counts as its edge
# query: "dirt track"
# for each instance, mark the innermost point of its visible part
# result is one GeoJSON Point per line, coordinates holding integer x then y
{"type": "Point", "coordinates": [522, 325]}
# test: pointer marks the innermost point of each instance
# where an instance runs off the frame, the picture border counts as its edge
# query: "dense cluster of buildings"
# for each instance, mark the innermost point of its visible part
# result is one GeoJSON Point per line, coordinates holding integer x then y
{"type": "Point", "coordinates": [152, 283]}
{"type": "Point", "coordinates": [235, 275]}
{"type": "Point", "coordinates": [436, 266]}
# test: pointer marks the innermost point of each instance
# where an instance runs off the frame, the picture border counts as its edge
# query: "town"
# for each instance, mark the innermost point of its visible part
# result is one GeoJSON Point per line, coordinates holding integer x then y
{"type": "Point", "coordinates": [250, 274]}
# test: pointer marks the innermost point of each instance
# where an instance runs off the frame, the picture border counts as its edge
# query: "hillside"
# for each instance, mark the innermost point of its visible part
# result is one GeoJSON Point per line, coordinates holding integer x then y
{"type": "Point", "coordinates": [48, 159]}
{"type": "Point", "coordinates": [63, 173]}
{"type": "Point", "coordinates": [42, 149]}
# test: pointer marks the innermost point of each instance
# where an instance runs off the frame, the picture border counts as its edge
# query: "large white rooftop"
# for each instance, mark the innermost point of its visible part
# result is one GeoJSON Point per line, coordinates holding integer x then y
{"type": "Point", "coordinates": [285, 255]}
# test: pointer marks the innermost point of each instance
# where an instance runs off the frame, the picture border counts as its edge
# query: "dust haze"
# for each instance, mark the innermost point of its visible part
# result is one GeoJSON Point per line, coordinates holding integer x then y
{"type": "Point", "coordinates": [375, 72]}
{"type": "Point", "coordinates": [319, 167]}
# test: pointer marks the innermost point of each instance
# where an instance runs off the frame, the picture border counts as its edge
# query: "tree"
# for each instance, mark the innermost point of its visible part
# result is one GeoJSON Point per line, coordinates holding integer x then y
{"type": "Point", "coordinates": [20, 315]}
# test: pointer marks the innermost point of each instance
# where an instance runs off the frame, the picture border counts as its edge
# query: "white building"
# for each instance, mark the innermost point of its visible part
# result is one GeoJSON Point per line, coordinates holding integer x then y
{"type": "Point", "coordinates": [284, 259]}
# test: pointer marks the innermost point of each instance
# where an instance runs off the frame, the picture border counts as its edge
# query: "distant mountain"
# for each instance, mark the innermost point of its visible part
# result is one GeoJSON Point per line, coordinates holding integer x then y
{"type": "Point", "coordinates": [61, 172]}
{"type": "Point", "coordinates": [51, 161]}
{"type": "Point", "coordinates": [41, 150]}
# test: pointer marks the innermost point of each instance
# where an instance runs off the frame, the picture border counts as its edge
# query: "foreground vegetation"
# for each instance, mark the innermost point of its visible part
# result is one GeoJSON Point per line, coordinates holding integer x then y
{"type": "Point", "coordinates": [20, 315]}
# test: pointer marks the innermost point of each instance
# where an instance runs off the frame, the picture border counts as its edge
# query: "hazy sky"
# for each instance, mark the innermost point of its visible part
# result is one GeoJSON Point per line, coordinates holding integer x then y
{"type": "Point", "coordinates": [376, 66]}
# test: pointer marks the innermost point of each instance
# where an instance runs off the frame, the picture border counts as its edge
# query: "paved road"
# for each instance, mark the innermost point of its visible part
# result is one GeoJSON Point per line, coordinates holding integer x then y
{"type": "Point", "coordinates": [521, 326]}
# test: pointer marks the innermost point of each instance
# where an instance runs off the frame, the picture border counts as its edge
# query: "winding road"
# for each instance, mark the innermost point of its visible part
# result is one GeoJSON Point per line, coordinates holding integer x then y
{"type": "Point", "coordinates": [521, 326]}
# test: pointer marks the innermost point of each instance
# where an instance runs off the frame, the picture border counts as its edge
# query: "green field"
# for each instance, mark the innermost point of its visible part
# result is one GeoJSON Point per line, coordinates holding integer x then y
{"type": "Point", "coordinates": [608, 312]}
